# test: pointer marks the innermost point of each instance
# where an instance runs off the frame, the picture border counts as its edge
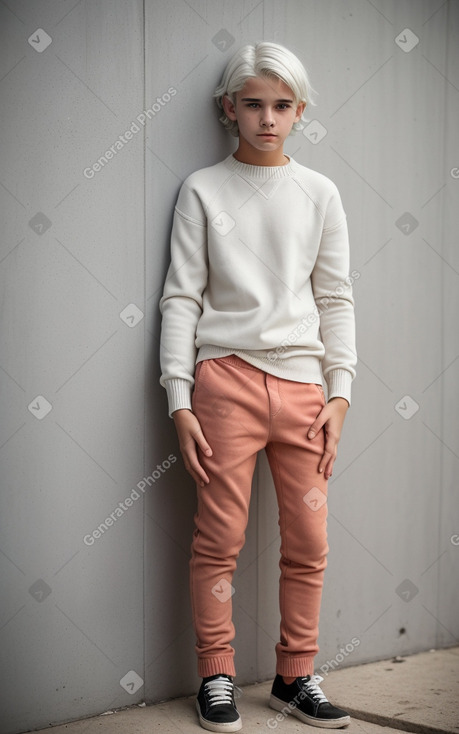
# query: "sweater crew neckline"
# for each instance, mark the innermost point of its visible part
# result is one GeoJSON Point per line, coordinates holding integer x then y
{"type": "Point", "coordinates": [260, 173]}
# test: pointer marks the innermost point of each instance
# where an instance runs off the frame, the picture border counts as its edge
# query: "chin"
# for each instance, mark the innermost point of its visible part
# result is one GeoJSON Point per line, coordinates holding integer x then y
{"type": "Point", "coordinates": [276, 142]}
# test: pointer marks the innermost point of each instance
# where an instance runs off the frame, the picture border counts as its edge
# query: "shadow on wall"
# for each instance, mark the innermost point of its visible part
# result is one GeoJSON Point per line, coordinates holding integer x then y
{"type": "Point", "coordinates": [170, 504]}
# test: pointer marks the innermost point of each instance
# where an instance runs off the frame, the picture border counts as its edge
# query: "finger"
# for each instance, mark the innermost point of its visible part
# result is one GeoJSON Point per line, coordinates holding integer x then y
{"type": "Point", "coordinates": [329, 468]}
{"type": "Point", "coordinates": [188, 447]}
{"type": "Point", "coordinates": [317, 425]}
{"type": "Point", "coordinates": [327, 461]}
{"type": "Point", "coordinates": [328, 455]}
{"type": "Point", "coordinates": [194, 468]}
{"type": "Point", "coordinates": [324, 460]}
{"type": "Point", "coordinates": [202, 443]}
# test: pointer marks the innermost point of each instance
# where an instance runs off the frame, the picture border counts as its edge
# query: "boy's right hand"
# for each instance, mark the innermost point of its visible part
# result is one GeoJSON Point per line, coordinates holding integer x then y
{"type": "Point", "coordinates": [190, 435]}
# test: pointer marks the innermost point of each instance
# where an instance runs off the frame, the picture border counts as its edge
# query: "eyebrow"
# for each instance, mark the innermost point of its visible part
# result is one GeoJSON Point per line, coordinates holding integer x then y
{"type": "Point", "coordinates": [254, 99]}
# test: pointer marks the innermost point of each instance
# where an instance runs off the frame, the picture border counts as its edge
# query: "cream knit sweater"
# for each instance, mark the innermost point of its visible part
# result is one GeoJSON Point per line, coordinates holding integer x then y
{"type": "Point", "coordinates": [260, 269]}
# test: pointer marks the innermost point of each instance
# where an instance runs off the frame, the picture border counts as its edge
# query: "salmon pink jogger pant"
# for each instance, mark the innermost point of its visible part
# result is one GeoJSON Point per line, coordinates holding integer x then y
{"type": "Point", "coordinates": [242, 410]}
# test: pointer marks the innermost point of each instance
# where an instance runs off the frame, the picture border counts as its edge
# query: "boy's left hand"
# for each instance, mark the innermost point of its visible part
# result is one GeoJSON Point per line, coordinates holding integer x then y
{"type": "Point", "coordinates": [331, 419]}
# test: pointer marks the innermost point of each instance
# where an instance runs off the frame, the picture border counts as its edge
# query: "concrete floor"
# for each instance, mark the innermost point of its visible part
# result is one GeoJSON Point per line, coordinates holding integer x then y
{"type": "Point", "coordinates": [419, 693]}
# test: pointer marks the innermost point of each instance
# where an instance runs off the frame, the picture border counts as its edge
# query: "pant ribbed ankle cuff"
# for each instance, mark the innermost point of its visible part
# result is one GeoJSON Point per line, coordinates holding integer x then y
{"type": "Point", "coordinates": [294, 667]}
{"type": "Point", "coordinates": [214, 665]}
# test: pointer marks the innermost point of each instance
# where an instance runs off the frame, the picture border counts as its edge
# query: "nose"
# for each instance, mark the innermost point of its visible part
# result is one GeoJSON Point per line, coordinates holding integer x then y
{"type": "Point", "coordinates": [266, 118]}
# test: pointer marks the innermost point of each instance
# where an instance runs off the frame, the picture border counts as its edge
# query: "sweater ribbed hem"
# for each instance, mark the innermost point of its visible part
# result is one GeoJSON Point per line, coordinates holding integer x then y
{"type": "Point", "coordinates": [178, 394]}
{"type": "Point", "coordinates": [214, 665]}
{"type": "Point", "coordinates": [299, 368]}
{"type": "Point", "coordinates": [294, 666]}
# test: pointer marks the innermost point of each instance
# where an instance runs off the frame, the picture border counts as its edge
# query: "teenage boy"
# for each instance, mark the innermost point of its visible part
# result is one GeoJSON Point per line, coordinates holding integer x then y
{"type": "Point", "coordinates": [257, 309]}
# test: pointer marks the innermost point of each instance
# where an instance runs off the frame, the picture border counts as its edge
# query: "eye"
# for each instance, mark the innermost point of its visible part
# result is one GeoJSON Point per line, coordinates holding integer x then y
{"type": "Point", "coordinates": [253, 105]}
{"type": "Point", "coordinates": [283, 106]}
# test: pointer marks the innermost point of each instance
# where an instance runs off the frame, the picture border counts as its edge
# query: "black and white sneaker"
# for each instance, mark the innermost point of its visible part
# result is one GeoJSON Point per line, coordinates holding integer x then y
{"type": "Point", "coordinates": [305, 699]}
{"type": "Point", "coordinates": [215, 704]}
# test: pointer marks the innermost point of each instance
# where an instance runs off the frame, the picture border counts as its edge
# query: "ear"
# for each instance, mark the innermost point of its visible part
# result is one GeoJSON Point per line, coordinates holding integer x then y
{"type": "Point", "coordinates": [299, 111]}
{"type": "Point", "coordinates": [229, 108]}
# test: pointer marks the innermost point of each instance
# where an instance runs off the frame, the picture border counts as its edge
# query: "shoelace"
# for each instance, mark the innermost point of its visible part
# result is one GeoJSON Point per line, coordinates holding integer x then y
{"type": "Point", "coordinates": [220, 691]}
{"type": "Point", "coordinates": [312, 687]}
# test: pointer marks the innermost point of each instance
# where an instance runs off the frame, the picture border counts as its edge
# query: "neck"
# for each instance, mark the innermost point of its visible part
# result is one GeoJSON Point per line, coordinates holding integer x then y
{"type": "Point", "coordinates": [248, 154]}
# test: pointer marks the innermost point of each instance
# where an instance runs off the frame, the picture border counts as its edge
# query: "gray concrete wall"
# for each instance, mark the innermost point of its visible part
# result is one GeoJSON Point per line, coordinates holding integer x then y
{"type": "Point", "coordinates": [92, 620]}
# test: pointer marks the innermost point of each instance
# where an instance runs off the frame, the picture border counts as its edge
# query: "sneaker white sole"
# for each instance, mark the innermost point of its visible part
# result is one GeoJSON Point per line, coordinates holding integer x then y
{"type": "Point", "coordinates": [278, 705]}
{"type": "Point", "coordinates": [220, 727]}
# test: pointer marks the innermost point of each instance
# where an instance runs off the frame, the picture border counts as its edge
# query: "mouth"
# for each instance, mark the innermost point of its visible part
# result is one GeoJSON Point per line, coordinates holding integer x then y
{"type": "Point", "coordinates": [266, 135]}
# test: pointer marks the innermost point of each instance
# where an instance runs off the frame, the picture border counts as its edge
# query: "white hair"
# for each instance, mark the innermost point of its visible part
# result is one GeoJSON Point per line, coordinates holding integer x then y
{"type": "Point", "coordinates": [263, 59]}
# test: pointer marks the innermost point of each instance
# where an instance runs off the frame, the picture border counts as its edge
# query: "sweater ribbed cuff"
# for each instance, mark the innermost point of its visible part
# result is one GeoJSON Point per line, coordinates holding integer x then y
{"type": "Point", "coordinates": [178, 394]}
{"type": "Point", "coordinates": [339, 384]}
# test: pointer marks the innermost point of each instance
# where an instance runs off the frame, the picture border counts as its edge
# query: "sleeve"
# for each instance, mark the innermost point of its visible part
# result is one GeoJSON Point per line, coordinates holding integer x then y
{"type": "Point", "coordinates": [332, 289]}
{"type": "Point", "coordinates": [181, 303]}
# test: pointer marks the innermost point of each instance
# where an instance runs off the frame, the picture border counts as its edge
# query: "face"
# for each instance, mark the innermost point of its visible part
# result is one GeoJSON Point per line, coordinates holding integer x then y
{"type": "Point", "coordinates": [265, 112]}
